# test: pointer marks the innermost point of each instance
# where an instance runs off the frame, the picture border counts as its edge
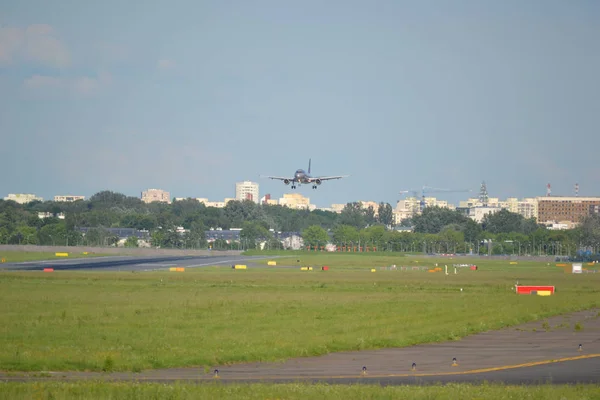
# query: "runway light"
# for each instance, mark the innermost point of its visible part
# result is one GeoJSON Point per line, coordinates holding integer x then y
{"type": "Point", "coordinates": [414, 366]}
{"type": "Point", "coordinates": [216, 373]}
{"type": "Point", "coordinates": [364, 370]}
{"type": "Point", "coordinates": [454, 363]}
{"type": "Point", "coordinates": [580, 349]}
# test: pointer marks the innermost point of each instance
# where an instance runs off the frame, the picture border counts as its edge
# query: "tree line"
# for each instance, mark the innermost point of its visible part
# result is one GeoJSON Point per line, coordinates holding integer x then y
{"type": "Point", "coordinates": [435, 230]}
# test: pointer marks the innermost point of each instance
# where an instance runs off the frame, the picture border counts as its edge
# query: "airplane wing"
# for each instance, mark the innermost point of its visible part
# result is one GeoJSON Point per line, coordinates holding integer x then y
{"type": "Point", "coordinates": [326, 178]}
{"type": "Point", "coordinates": [281, 178]}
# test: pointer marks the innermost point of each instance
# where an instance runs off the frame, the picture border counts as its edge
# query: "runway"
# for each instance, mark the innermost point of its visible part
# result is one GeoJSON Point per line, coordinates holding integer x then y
{"type": "Point", "coordinates": [127, 263]}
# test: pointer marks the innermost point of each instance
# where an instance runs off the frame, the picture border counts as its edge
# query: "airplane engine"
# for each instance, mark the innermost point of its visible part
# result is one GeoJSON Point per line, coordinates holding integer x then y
{"type": "Point", "coordinates": [286, 181]}
{"type": "Point", "coordinates": [318, 181]}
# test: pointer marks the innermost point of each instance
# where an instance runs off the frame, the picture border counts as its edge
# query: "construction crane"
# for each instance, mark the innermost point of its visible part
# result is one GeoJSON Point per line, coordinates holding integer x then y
{"type": "Point", "coordinates": [429, 189]}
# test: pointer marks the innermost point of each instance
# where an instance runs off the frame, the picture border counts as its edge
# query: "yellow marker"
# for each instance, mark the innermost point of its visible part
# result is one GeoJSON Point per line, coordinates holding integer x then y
{"type": "Point", "coordinates": [239, 267]}
{"type": "Point", "coordinates": [61, 254]}
{"type": "Point", "coordinates": [271, 263]}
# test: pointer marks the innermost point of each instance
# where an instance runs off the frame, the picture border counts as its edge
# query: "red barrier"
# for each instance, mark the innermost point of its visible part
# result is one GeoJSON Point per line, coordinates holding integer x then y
{"type": "Point", "coordinates": [530, 289]}
{"type": "Point", "coordinates": [48, 269]}
{"type": "Point", "coordinates": [325, 268]}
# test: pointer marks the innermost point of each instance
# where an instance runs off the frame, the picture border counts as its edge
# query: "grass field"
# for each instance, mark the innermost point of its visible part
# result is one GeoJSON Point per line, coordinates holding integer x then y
{"type": "Point", "coordinates": [131, 391]}
{"type": "Point", "coordinates": [21, 256]}
{"type": "Point", "coordinates": [206, 316]}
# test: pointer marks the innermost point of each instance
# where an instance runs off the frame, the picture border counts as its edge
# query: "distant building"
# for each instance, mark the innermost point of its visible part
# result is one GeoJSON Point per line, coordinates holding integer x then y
{"type": "Point", "coordinates": [204, 200]}
{"type": "Point", "coordinates": [366, 204]}
{"type": "Point", "coordinates": [266, 199]}
{"type": "Point", "coordinates": [296, 201]}
{"type": "Point", "coordinates": [247, 191]}
{"type": "Point", "coordinates": [152, 195]}
{"type": "Point", "coordinates": [478, 213]}
{"type": "Point", "coordinates": [43, 215]}
{"type": "Point", "coordinates": [121, 233]}
{"type": "Point", "coordinates": [527, 207]}
{"type": "Point", "coordinates": [566, 209]}
{"type": "Point", "coordinates": [67, 199]}
{"type": "Point", "coordinates": [411, 206]}
{"type": "Point", "coordinates": [23, 198]}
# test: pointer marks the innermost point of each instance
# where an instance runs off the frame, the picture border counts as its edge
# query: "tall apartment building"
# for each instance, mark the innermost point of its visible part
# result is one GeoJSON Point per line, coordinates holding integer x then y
{"type": "Point", "coordinates": [152, 195]}
{"type": "Point", "coordinates": [23, 198]}
{"type": "Point", "coordinates": [247, 191]}
{"type": "Point", "coordinates": [566, 209]}
{"type": "Point", "coordinates": [527, 207]}
{"type": "Point", "coordinates": [67, 199]}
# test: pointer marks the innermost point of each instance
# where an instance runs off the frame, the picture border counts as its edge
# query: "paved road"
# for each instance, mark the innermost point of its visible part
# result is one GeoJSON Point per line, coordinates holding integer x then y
{"type": "Point", "coordinates": [128, 263]}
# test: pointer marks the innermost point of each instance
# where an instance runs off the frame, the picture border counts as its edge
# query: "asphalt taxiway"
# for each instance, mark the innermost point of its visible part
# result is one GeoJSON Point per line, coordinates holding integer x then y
{"type": "Point", "coordinates": [128, 263]}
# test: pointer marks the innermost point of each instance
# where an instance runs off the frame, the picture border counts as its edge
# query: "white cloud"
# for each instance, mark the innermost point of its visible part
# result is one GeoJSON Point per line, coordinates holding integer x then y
{"type": "Point", "coordinates": [37, 43]}
{"type": "Point", "coordinates": [165, 64]}
{"type": "Point", "coordinates": [79, 86]}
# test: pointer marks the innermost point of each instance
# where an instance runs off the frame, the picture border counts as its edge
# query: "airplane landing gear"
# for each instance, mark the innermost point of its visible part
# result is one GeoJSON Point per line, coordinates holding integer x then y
{"type": "Point", "coordinates": [314, 186]}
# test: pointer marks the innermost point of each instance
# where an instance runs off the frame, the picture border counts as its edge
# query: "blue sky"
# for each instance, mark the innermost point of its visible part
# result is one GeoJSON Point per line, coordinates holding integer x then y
{"type": "Point", "coordinates": [192, 96]}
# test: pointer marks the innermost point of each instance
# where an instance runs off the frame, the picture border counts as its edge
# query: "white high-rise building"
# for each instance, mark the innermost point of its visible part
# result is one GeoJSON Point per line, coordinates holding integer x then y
{"type": "Point", "coordinates": [247, 191]}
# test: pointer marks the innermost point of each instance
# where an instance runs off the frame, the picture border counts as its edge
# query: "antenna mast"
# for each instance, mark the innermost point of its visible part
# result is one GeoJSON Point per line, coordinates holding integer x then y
{"type": "Point", "coordinates": [483, 194]}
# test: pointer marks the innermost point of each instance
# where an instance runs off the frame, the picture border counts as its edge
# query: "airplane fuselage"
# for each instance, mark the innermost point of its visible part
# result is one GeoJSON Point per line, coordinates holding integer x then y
{"type": "Point", "coordinates": [302, 177]}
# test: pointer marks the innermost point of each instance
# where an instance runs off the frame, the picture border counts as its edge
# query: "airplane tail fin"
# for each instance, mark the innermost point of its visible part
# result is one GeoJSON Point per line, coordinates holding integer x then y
{"type": "Point", "coordinates": [309, 165]}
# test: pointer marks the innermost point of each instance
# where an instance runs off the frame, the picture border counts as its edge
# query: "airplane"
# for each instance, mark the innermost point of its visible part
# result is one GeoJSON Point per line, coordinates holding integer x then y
{"type": "Point", "coordinates": [301, 176]}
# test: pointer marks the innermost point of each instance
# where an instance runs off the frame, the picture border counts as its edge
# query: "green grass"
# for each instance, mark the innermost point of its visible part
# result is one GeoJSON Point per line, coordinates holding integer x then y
{"type": "Point", "coordinates": [386, 259]}
{"type": "Point", "coordinates": [21, 256]}
{"type": "Point", "coordinates": [148, 391]}
{"type": "Point", "coordinates": [212, 316]}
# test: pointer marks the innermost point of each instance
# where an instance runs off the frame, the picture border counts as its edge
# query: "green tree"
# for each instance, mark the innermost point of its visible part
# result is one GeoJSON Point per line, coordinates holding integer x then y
{"type": "Point", "coordinates": [131, 241]}
{"type": "Point", "coordinates": [253, 231]}
{"type": "Point", "coordinates": [353, 215]}
{"type": "Point", "coordinates": [385, 214]}
{"type": "Point", "coordinates": [505, 221]}
{"type": "Point", "coordinates": [434, 219]}
{"type": "Point", "coordinates": [345, 235]}
{"type": "Point", "coordinates": [314, 235]}
{"type": "Point", "coordinates": [369, 213]}
{"type": "Point", "coordinates": [451, 236]}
